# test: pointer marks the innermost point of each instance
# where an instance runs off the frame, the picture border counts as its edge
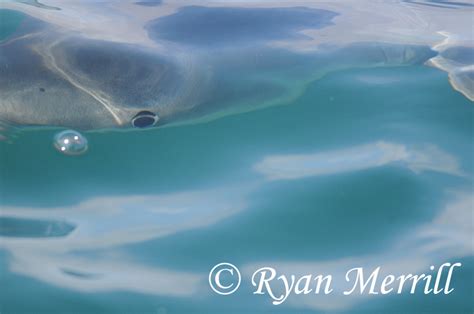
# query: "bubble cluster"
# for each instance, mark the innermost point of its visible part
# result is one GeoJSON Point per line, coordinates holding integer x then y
{"type": "Point", "coordinates": [70, 142]}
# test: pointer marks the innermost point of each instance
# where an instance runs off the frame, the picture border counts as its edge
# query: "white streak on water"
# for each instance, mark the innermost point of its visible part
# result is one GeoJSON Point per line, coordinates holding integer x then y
{"type": "Point", "coordinates": [417, 159]}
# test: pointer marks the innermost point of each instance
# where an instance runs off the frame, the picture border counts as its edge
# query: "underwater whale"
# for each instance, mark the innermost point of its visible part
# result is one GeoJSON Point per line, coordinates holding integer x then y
{"type": "Point", "coordinates": [90, 84]}
{"type": "Point", "coordinates": [54, 78]}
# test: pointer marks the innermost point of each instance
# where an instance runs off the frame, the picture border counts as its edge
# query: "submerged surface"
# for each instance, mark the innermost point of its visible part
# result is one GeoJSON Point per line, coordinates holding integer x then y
{"type": "Point", "coordinates": [359, 155]}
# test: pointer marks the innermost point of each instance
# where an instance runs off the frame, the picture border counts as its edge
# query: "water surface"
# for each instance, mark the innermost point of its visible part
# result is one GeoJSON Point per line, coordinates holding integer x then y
{"type": "Point", "coordinates": [307, 161]}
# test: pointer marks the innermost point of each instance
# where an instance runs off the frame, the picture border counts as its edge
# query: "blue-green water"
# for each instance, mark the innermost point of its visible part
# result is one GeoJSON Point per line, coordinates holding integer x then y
{"type": "Point", "coordinates": [355, 158]}
{"type": "Point", "coordinates": [227, 210]}
{"type": "Point", "coordinates": [9, 22]}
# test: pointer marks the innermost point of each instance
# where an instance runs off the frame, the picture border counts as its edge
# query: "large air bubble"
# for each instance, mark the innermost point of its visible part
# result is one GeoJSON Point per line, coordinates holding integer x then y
{"type": "Point", "coordinates": [70, 142]}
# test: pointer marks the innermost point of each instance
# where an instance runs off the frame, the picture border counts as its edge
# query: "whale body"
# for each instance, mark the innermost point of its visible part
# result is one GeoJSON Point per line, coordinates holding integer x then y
{"type": "Point", "coordinates": [56, 78]}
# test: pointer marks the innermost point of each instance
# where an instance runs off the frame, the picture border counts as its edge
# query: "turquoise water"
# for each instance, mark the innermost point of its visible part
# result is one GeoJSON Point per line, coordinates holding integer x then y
{"type": "Point", "coordinates": [305, 162]}
{"type": "Point", "coordinates": [9, 22]}
{"type": "Point", "coordinates": [311, 219]}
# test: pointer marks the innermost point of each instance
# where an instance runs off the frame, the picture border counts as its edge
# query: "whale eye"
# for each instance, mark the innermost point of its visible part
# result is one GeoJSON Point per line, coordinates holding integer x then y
{"type": "Point", "coordinates": [144, 119]}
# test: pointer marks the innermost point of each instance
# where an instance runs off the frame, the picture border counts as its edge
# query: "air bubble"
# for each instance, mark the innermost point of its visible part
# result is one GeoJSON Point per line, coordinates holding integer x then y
{"type": "Point", "coordinates": [70, 142]}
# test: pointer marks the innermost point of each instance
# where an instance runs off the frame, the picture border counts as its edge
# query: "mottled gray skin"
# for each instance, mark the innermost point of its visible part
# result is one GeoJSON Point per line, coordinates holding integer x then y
{"type": "Point", "coordinates": [88, 84]}
{"type": "Point", "coordinates": [48, 78]}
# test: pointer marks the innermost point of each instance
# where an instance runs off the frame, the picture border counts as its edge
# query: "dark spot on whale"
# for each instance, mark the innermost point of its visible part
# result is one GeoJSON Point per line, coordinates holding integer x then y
{"type": "Point", "coordinates": [196, 26]}
{"type": "Point", "coordinates": [144, 119]}
{"type": "Point", "coordinates": [41, 89]}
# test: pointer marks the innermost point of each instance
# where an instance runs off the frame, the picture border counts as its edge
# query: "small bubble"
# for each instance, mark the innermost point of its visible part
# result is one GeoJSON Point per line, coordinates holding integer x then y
{"type": "Point", "coordinates": [70, 142]}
